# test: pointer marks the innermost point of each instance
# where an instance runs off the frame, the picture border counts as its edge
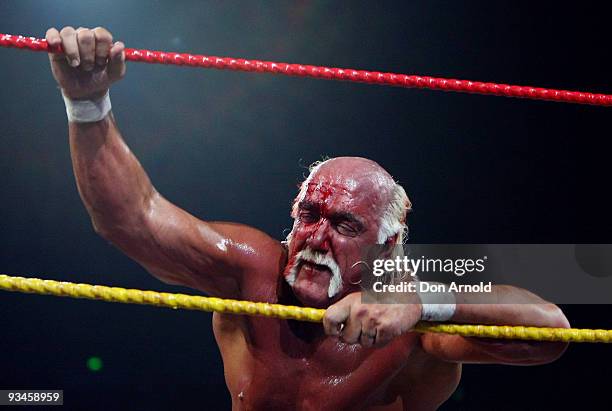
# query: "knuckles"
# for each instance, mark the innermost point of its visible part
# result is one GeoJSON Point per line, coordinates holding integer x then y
{"type": "Point", "coordinates": [369, 313]}
{"type": "Point", "coordinates": [362, 312]}
{"type": "Point", "coordinates": [85, 36]}
{"type": "Point", "coordinates": [66, 30]}
{"type": "Point", "coordinates": [103, 35]}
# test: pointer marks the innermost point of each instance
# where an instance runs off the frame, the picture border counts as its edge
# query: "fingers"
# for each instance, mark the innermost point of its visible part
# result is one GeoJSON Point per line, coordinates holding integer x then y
{"type": "Point", "coordinates": [54, 40]}
{"type": "Point", "coordinates": [69, 44]}
{"type": "Point", "coordinates": [351, 322]}
{"type": "Point", "coordinates": [365, 324]}
{"type": "Point", "coordinates": [104, 41]}
{"type": "Point", "coordinates": [368, 337]}
{"type": "Point", "coordinates": [385, 334]}
{"type": "Point", "coordinates": [334, 319]}
{"type": "Point", "coordinates": [87, 48]}
{"type": "Point", "coordinates": [116, 62]}
{"type": "Point", "coordinates": [352, 330]}
{"type": "Point", "coordinates": [53, 37]}
{"type": "Point", "coordinates": [117, 50]}
{"type": "Point", "coordinates": [82, 47]}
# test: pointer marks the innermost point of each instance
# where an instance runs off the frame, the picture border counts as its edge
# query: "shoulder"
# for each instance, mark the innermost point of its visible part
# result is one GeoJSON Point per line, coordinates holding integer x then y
{"type": "Point", "coordinates": [256, 253]}
{"type": "Point", "coordinates": [247, 241]}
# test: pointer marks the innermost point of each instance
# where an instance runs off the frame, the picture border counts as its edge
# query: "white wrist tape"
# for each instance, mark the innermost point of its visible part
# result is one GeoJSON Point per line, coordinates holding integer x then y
{"type": "Point", "coordinates": [87, 111]}
{"type": "Point", "coordinates": [437, 306]}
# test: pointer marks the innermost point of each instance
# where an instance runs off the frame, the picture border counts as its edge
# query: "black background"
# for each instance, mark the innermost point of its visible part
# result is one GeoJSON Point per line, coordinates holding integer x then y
{"type": "Point", "coordinates": [233, 146]}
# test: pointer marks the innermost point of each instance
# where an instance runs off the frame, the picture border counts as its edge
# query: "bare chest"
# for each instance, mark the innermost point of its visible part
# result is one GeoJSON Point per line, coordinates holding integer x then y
{"type": "Point", "coordinates": [272, 364]}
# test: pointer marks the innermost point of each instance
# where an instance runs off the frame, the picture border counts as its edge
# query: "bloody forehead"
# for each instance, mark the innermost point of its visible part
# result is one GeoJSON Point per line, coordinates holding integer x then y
{"type": "Point", "coordinates": [324, 194]}
{"type": "Point", "coordinates": [333, 215]}
{"type": "Point", "coordinates": [324, 190]}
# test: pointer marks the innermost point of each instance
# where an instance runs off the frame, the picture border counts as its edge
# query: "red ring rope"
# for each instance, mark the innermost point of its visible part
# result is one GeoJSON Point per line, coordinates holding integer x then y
{"type": "Point", "coordinates": [361, 76]}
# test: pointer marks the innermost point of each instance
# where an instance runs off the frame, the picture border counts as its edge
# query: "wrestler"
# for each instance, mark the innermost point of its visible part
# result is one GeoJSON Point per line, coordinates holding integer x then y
{"type": "Point", "coordinates": [365, 356]}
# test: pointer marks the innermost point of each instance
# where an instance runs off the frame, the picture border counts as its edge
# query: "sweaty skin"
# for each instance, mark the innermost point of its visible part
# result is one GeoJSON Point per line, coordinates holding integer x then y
{"type": "Point", "coordinates": [273, 364]}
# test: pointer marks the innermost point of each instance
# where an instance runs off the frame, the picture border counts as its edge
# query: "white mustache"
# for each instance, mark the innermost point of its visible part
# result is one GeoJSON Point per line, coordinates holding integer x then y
{"type": "Point", "coordinates": [308, 255]}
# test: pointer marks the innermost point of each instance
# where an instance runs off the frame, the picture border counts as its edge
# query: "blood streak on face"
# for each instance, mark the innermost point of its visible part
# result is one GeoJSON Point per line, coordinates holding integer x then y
{"type": "Point", "coordinates": [337, 218]}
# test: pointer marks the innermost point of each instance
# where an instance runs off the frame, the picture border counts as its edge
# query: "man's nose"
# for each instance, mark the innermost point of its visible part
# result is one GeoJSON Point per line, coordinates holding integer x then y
{"type": "Point", "coordinates": [319, 238]}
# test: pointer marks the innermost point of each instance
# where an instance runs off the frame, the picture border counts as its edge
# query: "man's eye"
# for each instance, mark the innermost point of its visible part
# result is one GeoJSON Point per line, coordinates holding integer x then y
{"type": "Point", "coordinates": [308, 217]}
{"type": "Point", "coordinates": [347, 229]}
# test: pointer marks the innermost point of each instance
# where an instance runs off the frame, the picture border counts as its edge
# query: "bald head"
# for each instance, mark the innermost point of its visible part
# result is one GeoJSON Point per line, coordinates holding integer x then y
{"type": "Point", "coordinates": [366, 173]}
{"type": "Point", "coordinates": [368, 183]}
{"type": "Point", "coordinates": [354, 165]}
{"type": "Point", "coordinates": [363, 179]}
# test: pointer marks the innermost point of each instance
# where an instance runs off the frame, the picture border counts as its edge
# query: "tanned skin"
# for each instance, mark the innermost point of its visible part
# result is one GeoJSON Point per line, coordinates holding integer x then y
{"type": "Point", "coordinates": [274, 364]}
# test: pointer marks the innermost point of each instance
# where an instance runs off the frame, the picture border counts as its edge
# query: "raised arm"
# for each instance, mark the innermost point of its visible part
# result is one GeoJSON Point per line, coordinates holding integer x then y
{"type": "Point", "coordinates": [124, 206]}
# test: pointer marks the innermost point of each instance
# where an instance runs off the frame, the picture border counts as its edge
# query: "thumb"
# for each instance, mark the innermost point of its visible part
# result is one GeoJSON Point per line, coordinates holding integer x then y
{"type": "Point", "coordinates": [116, 62]}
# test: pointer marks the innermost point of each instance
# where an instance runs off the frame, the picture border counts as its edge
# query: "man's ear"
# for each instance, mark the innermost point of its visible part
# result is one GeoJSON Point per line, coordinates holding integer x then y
{"type": "Point", "coordinates": [387, 248]}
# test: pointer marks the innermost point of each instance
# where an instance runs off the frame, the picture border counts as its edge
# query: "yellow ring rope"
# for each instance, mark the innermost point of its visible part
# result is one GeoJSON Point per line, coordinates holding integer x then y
{"type": "Point", "coordinates": [287, 312]}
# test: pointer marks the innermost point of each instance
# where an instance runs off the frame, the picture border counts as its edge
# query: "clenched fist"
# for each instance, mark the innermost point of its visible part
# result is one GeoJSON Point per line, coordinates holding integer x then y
{"type": "Point", "coordinates": [370, 324]}
{"type": "Point", "coordinates": [91, 61]}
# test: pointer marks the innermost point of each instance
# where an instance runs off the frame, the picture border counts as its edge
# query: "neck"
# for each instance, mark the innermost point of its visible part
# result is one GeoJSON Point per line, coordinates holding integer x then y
{"type": "Point", "coordinates": [303, 330]}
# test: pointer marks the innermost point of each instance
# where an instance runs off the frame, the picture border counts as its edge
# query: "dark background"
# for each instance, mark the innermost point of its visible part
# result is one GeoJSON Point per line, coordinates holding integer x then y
{"type": "Point", "coordinates": [233, 146]}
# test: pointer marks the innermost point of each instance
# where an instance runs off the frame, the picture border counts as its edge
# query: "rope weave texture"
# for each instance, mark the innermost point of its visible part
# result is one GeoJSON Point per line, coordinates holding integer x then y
{"type": "Point", "coordinates": [193, 302]}
{"type": "Point", "coordinates": [330, 73]}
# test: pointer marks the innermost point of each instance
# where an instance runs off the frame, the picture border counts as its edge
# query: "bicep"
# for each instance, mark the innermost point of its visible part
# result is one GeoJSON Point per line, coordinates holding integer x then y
{"type": "Point", "coordinates": [179, 248]}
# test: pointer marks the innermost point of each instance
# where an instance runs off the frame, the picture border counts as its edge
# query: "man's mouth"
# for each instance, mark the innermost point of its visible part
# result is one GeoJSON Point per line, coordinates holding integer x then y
{"type": "Point", "coordinates": [313, 271]}
{"type": "Point", "coordinates": [310, 266]}
{"type": "Point", "coordinates": [315, 268]}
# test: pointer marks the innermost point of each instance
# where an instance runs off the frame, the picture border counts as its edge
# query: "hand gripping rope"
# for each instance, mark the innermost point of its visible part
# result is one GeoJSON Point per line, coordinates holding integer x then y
{"type": "Point", "coordinates": [329, 73]}
{"type": "Point", "coordinates": [286, 312]}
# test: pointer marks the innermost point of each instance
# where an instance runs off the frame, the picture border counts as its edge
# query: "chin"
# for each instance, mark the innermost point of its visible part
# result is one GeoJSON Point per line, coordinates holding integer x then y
{"type": "Point", "coordinates": [312, 298]}
{"type": "Point", "coordinates": [315, 298]}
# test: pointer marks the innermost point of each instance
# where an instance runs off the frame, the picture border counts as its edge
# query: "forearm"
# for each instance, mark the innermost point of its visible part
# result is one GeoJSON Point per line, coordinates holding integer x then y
{"type": "Point", "coordinates": [513, 306]}
{"type": "Point", "coordinates": [507, 305]}
{"type": "Point", "coordinates": [113, 185]}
